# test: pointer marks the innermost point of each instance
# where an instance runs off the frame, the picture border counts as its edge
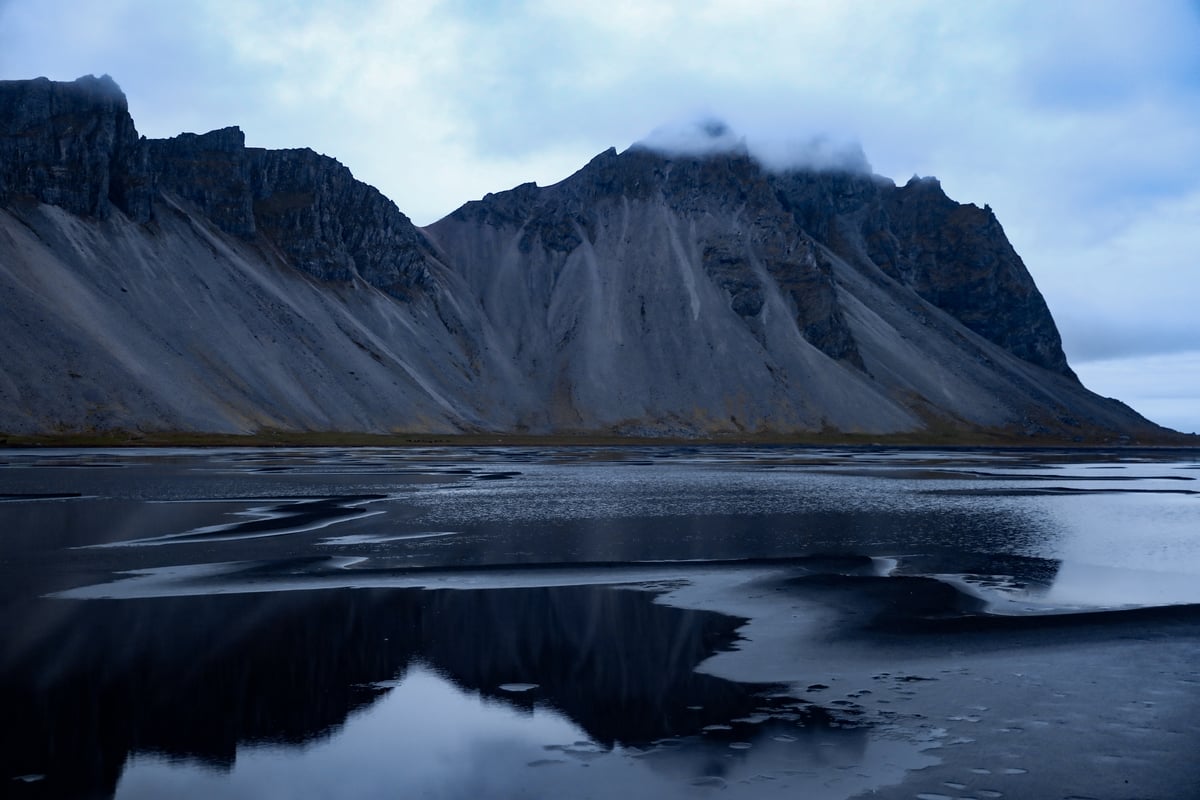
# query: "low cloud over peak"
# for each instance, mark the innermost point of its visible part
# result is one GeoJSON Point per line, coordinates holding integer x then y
{"type": "Point", "coordinates": [709, 135]}
{"type": "Point", "coordinates": [699, 136]}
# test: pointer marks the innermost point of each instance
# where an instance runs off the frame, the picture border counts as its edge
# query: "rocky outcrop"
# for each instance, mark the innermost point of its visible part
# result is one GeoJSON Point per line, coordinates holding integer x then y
{"type": "Point", "coordinates": [74, 146]}
{"type": "Point", "coordinates": [742, 234]}
{"type": "Point", "coordinates": [141, 285]}
{"type": "Point", "coordinates": [71, 145]}
{"type": "Point", "coordinates": [953, 255]}
{"type": "Point", "coordinates": [323, 221]}
{"type": "Point", "coordinates": [194, 283]}
{"type": "Point", "coordinates": [957, 257]}
{"type": "Point", "coordinates": [729, 257]}
{"type": "Point", "coordinates": [211, 172]}
{"type": "Point", "coordinates": [334, 227]}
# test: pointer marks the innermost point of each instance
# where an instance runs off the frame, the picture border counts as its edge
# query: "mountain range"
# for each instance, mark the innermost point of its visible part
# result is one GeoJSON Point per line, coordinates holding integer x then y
{"type": "Point", "coordinates": [195, 284]}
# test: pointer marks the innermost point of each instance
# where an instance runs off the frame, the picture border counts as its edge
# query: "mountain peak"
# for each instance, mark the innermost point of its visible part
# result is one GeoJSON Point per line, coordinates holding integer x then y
{"type": "Point", "coordinates": [69, 144]}
{"type": "Point", "coordinates": [103, 86]}
{"type": "Point", "coordinates": [707, 288]}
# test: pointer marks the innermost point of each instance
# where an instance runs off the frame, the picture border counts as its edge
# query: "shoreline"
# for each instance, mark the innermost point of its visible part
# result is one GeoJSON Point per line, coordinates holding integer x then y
{"type": "Point", "coordinates": [680, 621]}
{"type": "Point", "coordinates": [315, 439]}
{"type": "Point", "coordinates": [976, 703]}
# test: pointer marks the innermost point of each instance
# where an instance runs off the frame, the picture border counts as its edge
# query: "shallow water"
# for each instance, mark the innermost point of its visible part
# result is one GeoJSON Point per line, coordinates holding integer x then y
{"type": "Point", "coordinates": [621, 622]}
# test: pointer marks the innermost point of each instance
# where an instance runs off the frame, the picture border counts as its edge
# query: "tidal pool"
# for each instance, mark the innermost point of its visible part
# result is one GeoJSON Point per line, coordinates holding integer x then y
{"type": "Point", "coordinates": [599, 622]}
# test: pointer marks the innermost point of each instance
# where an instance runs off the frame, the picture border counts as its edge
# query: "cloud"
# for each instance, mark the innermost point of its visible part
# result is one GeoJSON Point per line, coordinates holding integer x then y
{"type": "Point", "coordinates": [166, 57]}
{"type": "Point", "coordinates": [701, 136]}
{"type": "Point", "coordinates": [1105, 54]}
{"type": "Point", "coordinates": [1131, 290]}
{"type": "Point", "coordinates": [819, 153]}
{"type": "Point", "coordinates": [707, 135]}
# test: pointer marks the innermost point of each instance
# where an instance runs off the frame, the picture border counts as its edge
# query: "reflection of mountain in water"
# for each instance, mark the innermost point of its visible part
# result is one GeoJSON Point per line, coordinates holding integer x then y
{"type": "Point", "coordinates": [196, 677]}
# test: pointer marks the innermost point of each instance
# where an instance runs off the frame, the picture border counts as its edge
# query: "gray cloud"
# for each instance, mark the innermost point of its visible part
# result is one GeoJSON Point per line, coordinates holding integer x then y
{"type": "Point", "coordinates": [701, 136]}
{"type": "Point", "coordinates": [1101, 337]}
{"type": "Point", "coordinates": [820, 153]}
{"type": "Point", "coordinates": [707, 135]}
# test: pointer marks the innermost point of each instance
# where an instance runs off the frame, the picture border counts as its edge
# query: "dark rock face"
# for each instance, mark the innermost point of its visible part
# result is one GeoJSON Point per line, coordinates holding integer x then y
{"type": "Point", "coordinates": [197, 284]}
{"type": "Point", "coordinates": [954, 255]}
{"type": "Point", "coordinates": [745, 235]}
{"type": "Point", "coordinates": [72, 145]}
{"type": "Point", "coordinates": [957, 257]}
{"type": "Point", "coordinates": [332, 226]}
{"type": "Point", "coordinates": [770, 237]}
{"type": "Point", "coordinates": [324, 222]}
{"type": "Point", "coordinates": [210, 171]}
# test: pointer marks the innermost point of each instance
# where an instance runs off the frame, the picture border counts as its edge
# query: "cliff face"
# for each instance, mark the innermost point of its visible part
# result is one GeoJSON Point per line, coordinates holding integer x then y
{"type": "Point", "coordinates": [194, 283]}
{"type": "Point", "coordinates": [323, 221]}
{"type": "Point", "coordinates": [679, 292]}
{"type": "Point", "coordinates": [958, 258]}
{"type": "Point", "coordinates": [71, 145]}
{"type": "Point", "coordinates": [74, 146]}
{"type": "Point", "coordinates": [709, 293]}
{"type": "Point", "coordinates": [952, 255]}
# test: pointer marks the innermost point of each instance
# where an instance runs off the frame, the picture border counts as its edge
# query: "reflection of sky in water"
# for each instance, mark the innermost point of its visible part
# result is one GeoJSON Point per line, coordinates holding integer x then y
{"type": "Point", "coordinates": [1134, 515]}
{"type": "Point", "coordinates": [428, 739]}
{"type": "Point", "coordinates": [1129, 542]}
{"type": "Point", "coordinates": [1045, 532]}
{"type": "Point", "coordinates": [1136, 531]}
{"type": "Point", "coordinates": [1079, 584]}
{"type": "Point", "coordinates": [612, 505]}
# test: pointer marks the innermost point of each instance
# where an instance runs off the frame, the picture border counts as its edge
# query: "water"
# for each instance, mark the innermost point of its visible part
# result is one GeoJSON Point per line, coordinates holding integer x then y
{"type": "Point", "coordinates": [601, 622]}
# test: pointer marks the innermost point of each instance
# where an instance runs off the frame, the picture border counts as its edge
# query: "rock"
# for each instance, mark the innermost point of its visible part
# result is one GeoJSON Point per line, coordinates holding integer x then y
{"type": "Point", "coordinates": [71, 145]}
{"type": "Point", "coordinates": [957, 257]}
{"type": "Point", "coordinates": [194, 283]}
{"type": "Point", "coordinates": [335, 227]}
{"type": "Point", "coordinates": [74, 146]}
{"type": "Point", "coordinates": [209, 171]}
{"type": "Point", "coordinates": [324, 222]}
{"type": "Point", "coordinates": [744, 234]}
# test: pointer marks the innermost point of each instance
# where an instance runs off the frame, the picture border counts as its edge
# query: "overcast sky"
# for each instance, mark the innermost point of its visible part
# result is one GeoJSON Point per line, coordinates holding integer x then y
{"type": "Point", "coordinates": [1078, 121]}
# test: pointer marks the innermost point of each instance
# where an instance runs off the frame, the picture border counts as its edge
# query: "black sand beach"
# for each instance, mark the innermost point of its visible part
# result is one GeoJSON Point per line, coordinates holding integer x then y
{"type": "Point", "coordinates": [640, 622]}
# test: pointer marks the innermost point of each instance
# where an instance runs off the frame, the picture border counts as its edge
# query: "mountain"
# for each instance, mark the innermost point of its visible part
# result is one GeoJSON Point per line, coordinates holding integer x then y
{"type": "Point", "coordinates": [196, 284]}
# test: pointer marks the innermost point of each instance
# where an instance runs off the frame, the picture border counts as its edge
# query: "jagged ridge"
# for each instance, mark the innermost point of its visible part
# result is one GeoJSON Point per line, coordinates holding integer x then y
{"type": "Point", "coordinates": [644, 294]}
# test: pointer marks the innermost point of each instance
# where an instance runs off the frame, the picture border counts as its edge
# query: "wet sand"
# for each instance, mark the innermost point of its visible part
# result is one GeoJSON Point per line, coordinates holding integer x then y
{"type": "Point", "coordinates": [233, 624]}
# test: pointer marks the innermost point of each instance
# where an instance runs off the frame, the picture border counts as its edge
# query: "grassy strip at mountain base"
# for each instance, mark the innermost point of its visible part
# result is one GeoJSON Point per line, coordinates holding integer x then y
{"type": "Point", "coordinates": [279, 438]}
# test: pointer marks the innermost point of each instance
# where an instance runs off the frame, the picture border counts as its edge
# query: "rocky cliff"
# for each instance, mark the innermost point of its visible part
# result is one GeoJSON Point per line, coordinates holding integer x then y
{"type": "Point", "coordinates": [710, 293]}
{"type": "Point", "coordinates": [71, 145]}
{"type": "Point", "coordinates": [194, 283]}
{"type": "Point", "coordinates": [74, 146]}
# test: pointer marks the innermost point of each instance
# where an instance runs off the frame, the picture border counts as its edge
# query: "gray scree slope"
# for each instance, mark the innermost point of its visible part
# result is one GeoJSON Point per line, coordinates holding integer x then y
{"type": "Point", "coordinates": [196, 284]}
